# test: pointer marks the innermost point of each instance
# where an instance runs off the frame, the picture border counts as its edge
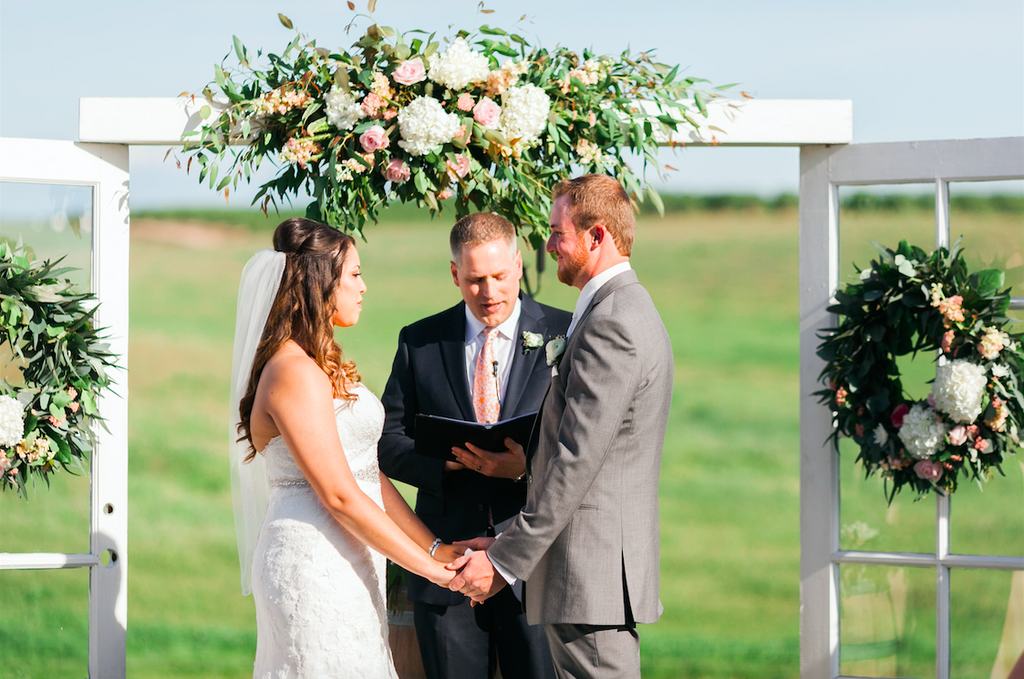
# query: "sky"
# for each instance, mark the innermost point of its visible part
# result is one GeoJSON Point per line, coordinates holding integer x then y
{"type": "Point", "coordinates": [914, 69]}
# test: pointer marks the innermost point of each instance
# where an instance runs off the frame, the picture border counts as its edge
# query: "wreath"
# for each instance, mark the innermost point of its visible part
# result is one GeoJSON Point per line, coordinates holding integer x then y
{"type": "Point", "coordinates": [907, 302]}
{"type": "Point", "coordinates": [485, 122]}
{"type": "Point", "coordinates": [56, 367]}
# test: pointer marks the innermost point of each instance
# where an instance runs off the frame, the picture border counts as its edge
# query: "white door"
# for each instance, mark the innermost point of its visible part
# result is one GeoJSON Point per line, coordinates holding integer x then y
{"type": "Point", "coordinates": [942, 560]}
{"type": "Point", "coordinates": [71, 199]}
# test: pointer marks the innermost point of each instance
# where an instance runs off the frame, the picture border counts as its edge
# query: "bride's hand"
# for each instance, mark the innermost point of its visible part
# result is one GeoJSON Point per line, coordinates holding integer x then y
{"type": "Point", "coordinates": [441, 576]}
{"type": "Point", "coordinates": [447, 553]}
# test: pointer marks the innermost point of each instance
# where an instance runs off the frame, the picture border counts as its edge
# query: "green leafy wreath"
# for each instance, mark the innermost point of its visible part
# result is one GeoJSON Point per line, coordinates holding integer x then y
{"type": "Point", "coordinates": [57, 367]}
{"type": "Point", "coordinates": [907, 302]}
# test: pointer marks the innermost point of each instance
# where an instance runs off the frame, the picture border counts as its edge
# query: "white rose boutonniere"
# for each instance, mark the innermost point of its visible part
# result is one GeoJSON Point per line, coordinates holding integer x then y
{"type": "Point", "coordinates": [531, 341]}
{"type": "Point", "coordinates": [554, 349]}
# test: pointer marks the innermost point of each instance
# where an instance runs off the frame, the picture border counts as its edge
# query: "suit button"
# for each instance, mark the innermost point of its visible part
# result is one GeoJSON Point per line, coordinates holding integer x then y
{"type": "Point", "coordinates": [529, 478]}
{"type": "Point", "coordinates": [480, 507]}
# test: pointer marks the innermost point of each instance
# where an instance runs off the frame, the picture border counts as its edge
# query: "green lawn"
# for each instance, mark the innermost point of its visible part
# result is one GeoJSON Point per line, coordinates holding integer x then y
{"type": "Point", "coordinates": [727, 288]}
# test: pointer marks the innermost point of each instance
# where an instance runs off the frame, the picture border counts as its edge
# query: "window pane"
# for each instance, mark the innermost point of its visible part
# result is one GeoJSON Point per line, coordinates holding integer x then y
{"type": "Point", "coordinates": [986, 623]}
{"type": "Point", "coordinates": [868, 524]}
{"type": "Point", "coordinates": [990, 519]}
{"type": "Point", "coordinates": [45, 620]}
{"type": "Point", "coordinates": [887, 621]}
{"type": "Point", "coordinates": [54, 220]}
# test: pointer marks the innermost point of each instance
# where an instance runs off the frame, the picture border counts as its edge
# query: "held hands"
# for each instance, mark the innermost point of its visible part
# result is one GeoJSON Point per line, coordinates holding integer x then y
{"type": "Point", "coordinates": [476, 577]}
{"type": "Point", "coordinates": [508, 464]}
{"type": "Point", "coordinates": [447, 553]}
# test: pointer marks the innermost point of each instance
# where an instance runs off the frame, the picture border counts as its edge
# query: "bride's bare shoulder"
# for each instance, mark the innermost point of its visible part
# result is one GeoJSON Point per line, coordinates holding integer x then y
{"type": "Point", "coordinates": [291, 370]}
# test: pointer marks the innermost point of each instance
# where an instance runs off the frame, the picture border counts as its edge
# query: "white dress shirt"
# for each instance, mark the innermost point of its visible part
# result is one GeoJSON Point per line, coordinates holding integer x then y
{"type": "Point", "coordinates": [586, 296]}
{"type": "Point", "coordinates": [504, 346]}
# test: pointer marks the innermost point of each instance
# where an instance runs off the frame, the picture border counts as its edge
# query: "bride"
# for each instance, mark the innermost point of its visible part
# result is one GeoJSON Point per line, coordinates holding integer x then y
{"type": "Point", "coordinates": [315, 517]}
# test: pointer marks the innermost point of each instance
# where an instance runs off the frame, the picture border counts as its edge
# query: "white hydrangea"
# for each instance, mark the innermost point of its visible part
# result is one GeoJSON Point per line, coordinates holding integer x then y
{"type": "Point", "coordinates": [922, 432]}
{"type": "Point", "coordinates": [958, 390]}
{"type": "Point", "coordinates": [12, 421]}
{"type": "Point", "coordinates": [342, 110]}
{"type": "Point", "coordinates": [424, 126]}
{"type": "Point", "coordinates": [459, 66]}
{"type": "Point", "coordinates": [524, 113]}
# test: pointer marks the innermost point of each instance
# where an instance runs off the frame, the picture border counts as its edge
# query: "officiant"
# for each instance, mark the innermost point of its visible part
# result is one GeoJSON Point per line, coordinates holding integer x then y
{"type": "Point", "coordinates": [476, 361]}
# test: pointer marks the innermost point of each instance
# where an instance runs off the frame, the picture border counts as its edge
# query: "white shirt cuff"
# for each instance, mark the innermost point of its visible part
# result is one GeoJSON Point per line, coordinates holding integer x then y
{"type": "Point", "coordinates": [509, 578]}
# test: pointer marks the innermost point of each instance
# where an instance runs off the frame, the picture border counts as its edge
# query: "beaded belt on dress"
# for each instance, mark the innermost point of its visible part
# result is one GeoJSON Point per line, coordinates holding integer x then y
{"type": "Point", "coordinates": [368, 474]}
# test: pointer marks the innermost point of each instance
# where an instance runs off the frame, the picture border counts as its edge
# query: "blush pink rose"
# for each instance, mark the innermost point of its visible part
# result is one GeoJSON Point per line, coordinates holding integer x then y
{"type": "Point", "coordinates": [373, 139]}
{"type": "Point", "coordinates": [487, 114]}
{"type": "Point", "coordinates": [465, 102]}
{"type": "Point", "coordinates": [898, 414]}
{"type": "Point", "coordinates": [397, 171]}
{"type": "Point", "coordinates": [445, 195]}
{"type": "Point", "coordinates": [958, 435]}
{"type": "Point", "coordinates": [461, 167]}
{"type": "Point", "coordinates": [409, 72]}
{"type": "Point", "coordinates": [928, 470]}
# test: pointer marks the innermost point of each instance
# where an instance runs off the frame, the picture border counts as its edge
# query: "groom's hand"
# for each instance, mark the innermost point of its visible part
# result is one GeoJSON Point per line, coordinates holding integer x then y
{"type": "Point", "coordinates": [507, 464]}
{"type": "Point", "coordinates": [476, 544]}
{"type": "Point", "coordinates": [476, 577]}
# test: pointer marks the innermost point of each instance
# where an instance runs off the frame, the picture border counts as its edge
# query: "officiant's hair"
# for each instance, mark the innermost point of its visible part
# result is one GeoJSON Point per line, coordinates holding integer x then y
{"type": "Point", "coordinates": [598, 198]}
{"type": "Point", "coordinates": [479, 228]}
{"type": "Point", "coordinates": [303, 308]}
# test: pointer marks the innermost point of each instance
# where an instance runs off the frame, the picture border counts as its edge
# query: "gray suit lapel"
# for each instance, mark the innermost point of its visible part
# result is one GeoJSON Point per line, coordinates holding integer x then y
{"type": "Point", "coordinates": [623, 279]}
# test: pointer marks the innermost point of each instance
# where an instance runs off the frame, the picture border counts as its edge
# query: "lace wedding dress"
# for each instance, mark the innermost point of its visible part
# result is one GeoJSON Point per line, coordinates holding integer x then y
{"type": "Point", "coordinates": [319, 591]}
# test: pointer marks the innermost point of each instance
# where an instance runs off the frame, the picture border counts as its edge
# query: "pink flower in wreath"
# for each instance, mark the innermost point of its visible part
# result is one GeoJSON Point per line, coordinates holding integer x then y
{"type": "Point", "coordinates": [397, 171]}
{"type": "Point", "coordinates": [972, 430]}
{"type": "Point", "coordinates": [947, 341]}
{"type": "Point", "coordinates": [74, 406]}
{"type": "Point", "coordinates": [445, 195]}
{"type": "Point", "coordinates": [465, 102]}
{"type": "Point", "coordinates": [841, 394]}
{"type": "Point", "coordinates": [898, 413]}
{"type": "Point", "coordinates": [374, 138]}
{"type": "Point", "coordinates": [859, 429]}
{"type": "Point", "coordinates": [928, 470]}
{"type": "Point", "coordinates": [951, 309]}
{"type": "Point", "coordinates": [980, 444]}
{"type": "Point", "coordinates": [487, 113]}
{"type": "Point", "coordinates": [390, 113]}
{"type": "Point", "coordinates": [410, 72]}
{"type": "Point", "coordinates": [958, 435]}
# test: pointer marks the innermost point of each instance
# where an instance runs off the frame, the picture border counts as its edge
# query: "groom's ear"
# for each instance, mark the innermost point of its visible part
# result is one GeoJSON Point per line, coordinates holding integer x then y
{"type": "Point", "coordinates": [598, 233]}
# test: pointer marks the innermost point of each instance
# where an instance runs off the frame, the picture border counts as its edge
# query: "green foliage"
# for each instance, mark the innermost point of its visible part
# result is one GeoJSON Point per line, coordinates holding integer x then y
{"type": "Point", "coordinates": [58, 369]}
{"type": "Point", "coordinates": [909, 302]}
{"type": "Point", "coordinates": [309, 107]}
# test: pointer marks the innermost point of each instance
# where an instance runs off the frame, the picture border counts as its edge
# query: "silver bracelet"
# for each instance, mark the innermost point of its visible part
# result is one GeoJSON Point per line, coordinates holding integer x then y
{"type": "Point", "coordinates": [433, 547]}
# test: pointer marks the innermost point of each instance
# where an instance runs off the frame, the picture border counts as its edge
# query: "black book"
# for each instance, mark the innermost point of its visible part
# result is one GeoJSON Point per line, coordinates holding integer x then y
{"type": "Point", "coordinates": [435, 435]}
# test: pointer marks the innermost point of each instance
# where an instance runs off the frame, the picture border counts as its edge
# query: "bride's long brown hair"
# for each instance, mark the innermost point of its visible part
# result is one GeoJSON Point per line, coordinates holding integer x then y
{"type": "Point", "coordinates": [302, 311]}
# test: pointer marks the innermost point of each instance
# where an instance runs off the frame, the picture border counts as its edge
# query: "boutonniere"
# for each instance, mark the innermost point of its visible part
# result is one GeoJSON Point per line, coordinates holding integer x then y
{"type": "Point", "coordinates": [554, 349]}
{"type": "Point", "coordinates": [531, 341]}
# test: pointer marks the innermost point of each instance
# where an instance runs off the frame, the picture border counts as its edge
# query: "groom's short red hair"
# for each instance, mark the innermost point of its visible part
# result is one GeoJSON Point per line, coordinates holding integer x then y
{"type": "Point", "coordinates": [599, 199]}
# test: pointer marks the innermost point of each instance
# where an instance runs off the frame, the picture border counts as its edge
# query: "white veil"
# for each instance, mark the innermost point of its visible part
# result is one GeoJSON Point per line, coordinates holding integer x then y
{"type": "Point", "coordinates": [261, 278]}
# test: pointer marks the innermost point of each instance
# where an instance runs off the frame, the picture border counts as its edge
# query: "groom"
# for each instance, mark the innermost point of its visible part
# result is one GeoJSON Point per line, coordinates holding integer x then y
{"type": "Point", "coordinates": [586, 543]}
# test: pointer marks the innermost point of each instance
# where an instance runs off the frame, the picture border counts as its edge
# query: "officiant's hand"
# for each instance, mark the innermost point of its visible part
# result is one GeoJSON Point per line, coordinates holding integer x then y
{"type": "Point", "coordinates": [476, 577]}
{"type": "Point", "coordinates": [508, 464]}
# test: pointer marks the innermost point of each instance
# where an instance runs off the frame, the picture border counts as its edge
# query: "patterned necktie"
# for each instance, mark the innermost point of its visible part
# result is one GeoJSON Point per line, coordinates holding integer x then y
{"type": "Point", "coordinates": [485, 380]}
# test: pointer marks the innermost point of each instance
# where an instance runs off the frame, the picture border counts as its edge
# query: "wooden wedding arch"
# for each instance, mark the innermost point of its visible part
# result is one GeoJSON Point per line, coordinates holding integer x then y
{"type": "Point", "coordinates": [823, 132]}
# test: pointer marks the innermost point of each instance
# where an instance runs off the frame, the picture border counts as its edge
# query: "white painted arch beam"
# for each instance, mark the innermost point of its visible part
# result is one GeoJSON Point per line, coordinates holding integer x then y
{"type": "Point", "coordinates": [730, 122]}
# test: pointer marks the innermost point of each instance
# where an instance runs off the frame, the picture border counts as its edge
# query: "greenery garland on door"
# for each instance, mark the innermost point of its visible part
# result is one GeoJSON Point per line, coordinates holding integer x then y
{"type": "Point", "coordinates": [908, 302]}
{"type": "Point", "coordinates": [57, 367]}
{"type": "Point", "coordinates": [484, 122]}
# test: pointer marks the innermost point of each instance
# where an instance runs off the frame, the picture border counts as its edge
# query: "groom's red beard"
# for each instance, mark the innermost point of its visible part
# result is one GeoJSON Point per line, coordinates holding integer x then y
{"type": "Point", "coordinates": [574, 263]}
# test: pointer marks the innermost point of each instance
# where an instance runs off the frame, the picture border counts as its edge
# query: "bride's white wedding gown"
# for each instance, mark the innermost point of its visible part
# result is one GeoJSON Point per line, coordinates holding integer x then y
{"type": "Point", "coordinates": [319, 591]}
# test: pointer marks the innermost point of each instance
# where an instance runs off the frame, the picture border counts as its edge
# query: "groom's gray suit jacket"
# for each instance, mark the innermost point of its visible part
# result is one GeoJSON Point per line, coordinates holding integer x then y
{"type": "Point", "coordinates": [587, 541]}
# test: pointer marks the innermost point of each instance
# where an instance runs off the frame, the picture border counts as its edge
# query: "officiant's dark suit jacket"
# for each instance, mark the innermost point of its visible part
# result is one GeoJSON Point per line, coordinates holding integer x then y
{"type": "Point", "coordinates": [429, 377]}
{"type": "Point", "coordinates": [586, 543]}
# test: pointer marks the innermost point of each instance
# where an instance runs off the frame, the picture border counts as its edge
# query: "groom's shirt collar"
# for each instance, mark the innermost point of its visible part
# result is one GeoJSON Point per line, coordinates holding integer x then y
{"type": "Point", "coordinates": [591, 288]}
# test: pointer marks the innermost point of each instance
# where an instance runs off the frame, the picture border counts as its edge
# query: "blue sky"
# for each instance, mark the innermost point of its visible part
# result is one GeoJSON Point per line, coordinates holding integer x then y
{"type": "Point", "coordinates": [915, 69]}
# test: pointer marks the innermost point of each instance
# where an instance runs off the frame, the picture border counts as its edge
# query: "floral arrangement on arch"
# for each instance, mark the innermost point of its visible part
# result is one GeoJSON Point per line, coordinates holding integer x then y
{"type": "Point", "coordinates": [56, 369]}
{"type": "Point", "coordinates": [485, 121]}
{"type": "Point", "coordinates": [907, 302]}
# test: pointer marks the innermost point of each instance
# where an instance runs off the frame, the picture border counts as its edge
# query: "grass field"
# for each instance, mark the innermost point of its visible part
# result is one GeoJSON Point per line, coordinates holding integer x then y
{"type": "Point", "coordinates": [726, 285]}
